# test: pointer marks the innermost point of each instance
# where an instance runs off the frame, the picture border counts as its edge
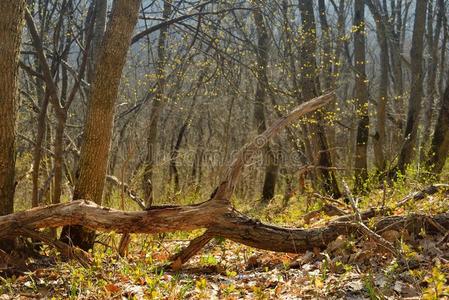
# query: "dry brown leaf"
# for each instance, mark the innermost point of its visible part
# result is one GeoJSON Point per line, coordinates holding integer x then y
{"type": "Point", "coordinates": [391, 235]}
{"type": "Point", "coordinates": [112, 288]}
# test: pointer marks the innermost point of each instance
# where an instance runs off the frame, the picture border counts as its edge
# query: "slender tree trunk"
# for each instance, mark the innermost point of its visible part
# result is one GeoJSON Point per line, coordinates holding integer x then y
{"type": "Point", "coordinates": [11, 21]}
{"type": "Point", "coordinates": [326, 53]}
{"type": "Point", "coordinates": [174, 155]}
{"type": "Point", "coordinates": [414, 106]}
{"type": "Point", "coordinates": [58, 159]}
{"type": "Point", "coordinates": [310, 88]}
{"type": "Point", "coordinates": [99, 14]}
{"type": "Point", "coordinates": [441, 72]}
{"type": "Point", "coordinates": [158, 105]}
{"type": "Point", "coordinates": [301, 146]}
{"type": "Point", "coordinates": [395, 31]}
{"type": "Point", "coordinates": [382, 21]}
{"type": "Point", "coordinates": [439, 150]}
{"type": "Point", "coordinates": [263, 46]}
{"type": "Point", "coordinates": [432, 68]}
{"type": "Point", "coordinates": [361, 96]}
{"type": "Point", "coordinates": [327, 73]}
{"type": "Point", "coordinates": [37, 153]}
{"type": "Point", "coordinates": [99, 120]}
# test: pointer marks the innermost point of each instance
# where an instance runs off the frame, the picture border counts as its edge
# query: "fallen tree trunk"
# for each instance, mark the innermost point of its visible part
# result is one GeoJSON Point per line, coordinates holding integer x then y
{"type": "Point", "coordinates": [220, 219]}
{"type": "Point", "coordinates": [216, 214]}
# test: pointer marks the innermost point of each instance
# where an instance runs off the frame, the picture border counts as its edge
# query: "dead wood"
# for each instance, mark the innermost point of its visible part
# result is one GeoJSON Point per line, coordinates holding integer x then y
{"type": "Point", "coordinates": [430, 190]}
{"type": "Point", "coordinates": [217, 214]}
{"type": "Point", "coordinates": [221, 220]}
{"type": "Point", "coordinates": [192, 249]}
{"type": "Point", "coordinates": [66, 250]}
{"type": "Point", "coordinates": [365, 229]}
{"type": "Point", "coordinates": [131, 193]}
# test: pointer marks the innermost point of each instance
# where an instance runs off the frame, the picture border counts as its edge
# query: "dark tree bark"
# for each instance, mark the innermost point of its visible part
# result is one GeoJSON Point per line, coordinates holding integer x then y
{"type": "Point", "coordinates": [263, 46]}
{"type": "Point", "coordinates": [37, 153]}
{"type": "Point", "coordinates": [158, 104]}
{"type": "Point", "coordinates": [416, 90]}
{"type": "Point", "coordinates": [361, 96]}
{"type": "Point", "coordinates": [433, 39]}
{"type": "Point", "coordinates": [380, 15]}
{"type": "Point", "coordinates": [439, 149]}
{"type": "Point", "coordinates": [310, 86]}
{"type": "Point", "coordinates": [99, 15]}
{"type": "Point", "coordinates": [99, 120]}
{"type": "Point", "coordinates": [11, 21]}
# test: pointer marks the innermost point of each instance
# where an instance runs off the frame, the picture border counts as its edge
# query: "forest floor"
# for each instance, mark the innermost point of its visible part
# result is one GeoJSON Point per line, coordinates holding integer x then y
{"type": "Point", "coordinates": [350, 267]}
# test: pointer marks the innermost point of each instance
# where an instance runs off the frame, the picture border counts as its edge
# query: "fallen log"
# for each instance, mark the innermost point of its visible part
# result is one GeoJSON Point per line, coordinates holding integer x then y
{"type": "Point", "coordinates": [217, 214]}
{"type": "Point", "coordinates": [220, 219]}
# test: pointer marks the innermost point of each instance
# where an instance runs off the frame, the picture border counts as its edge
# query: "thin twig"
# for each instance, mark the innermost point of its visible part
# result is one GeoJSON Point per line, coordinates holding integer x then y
{"type": "Point", "coordinates": [365, 229]}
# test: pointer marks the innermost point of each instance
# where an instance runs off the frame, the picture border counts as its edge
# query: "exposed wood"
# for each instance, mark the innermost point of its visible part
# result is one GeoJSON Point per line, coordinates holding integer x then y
{"type": "Point", "coordinates": [157, 219]}
{"type": "Point", "coordinates": [221, 220]}
{"type": "Point", "coordinates": [193, 248]}
{"type": "Point", "coordinates": [365, 229]}
{"type": "Point", "coordinates": [216, 214]}
{"type": "Point", "coordinates": [131, 193]}
{"type": "Point", "coordinates": [66, 251]}
{"type": "Point", "coordinates": [430, 190]}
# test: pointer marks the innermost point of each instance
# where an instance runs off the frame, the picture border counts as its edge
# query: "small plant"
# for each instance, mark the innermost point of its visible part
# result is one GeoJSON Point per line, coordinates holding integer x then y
{"type": "Point", "coordinates": [208, 260]}
{"type": "Point", "coordinates": [368, 283]}
{"type": "Point", "coordinates": [259, 293]}
{"type": "Point", "coordinates": [437, 287]}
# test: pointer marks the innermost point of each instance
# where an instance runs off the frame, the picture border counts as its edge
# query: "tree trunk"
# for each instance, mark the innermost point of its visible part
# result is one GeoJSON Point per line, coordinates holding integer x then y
{"type": "Point", "coordinates": [310, 86]}
{"type": "Point", "coordinates": [381, 19]}
{"type": "Point", "coordinates": [414, 105]}
{"type": "Point", "coordinates": [263, 46]}
{"type": "Point", "coordinates": [217, 213]}
{"type": "Point", "coordinates": [99, 14]}
{"type": "Point", "coordinates": [11, 21]}
{"type": "Point", "coordinates": [37, 153]}
{"type": "Point", "coordinates": [58, 159]}
{"type": "Point", "coordinates": [220, 219]}
{"type": "Point", "coordinates": [99, 120]}
{"type": "Point", "coordinates": [439, 149]}
{"type": "Point", "coordinates": [158, 104]}
{"type": "Point", "coordinates": [327, 72]}
{"type": "Point", "coordinates": [361, 97]}
{"type": "Point", "coordinates": [433, 40]}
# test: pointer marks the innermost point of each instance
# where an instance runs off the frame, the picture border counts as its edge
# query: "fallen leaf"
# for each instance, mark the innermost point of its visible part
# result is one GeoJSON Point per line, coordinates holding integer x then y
{"type": "Point", "coordinates": [112, 288]}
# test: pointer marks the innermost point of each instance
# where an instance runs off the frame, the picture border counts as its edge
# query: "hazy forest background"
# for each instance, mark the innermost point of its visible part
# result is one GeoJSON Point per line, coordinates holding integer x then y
{"type": "Point", "coordinates": [146, 107]}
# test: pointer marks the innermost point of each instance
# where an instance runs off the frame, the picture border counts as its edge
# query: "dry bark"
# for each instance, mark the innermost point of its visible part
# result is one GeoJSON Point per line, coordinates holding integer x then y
{"type": "Point", "coordinates": [220, 218]}
{"type": "Point", "coordinates": [11, 16]}
{"type": "Point", "coordinates": [94, 153]}
{"type": "Point", "coordinates": [216, 214]}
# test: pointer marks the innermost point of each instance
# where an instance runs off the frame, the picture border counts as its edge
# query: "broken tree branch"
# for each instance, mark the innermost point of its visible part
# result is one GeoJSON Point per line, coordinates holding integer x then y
{"type": "Point", "coordinates": [216, 214]}
{"type": "Point", "coordinates": [365, 229]}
